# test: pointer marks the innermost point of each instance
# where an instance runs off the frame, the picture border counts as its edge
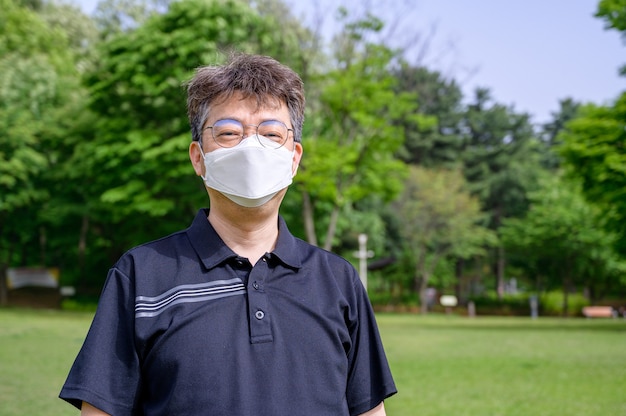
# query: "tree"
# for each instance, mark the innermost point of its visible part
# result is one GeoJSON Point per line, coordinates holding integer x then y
{"type": "Point", "coordinates": [550, 132]}
{"type": "Point", "coordinates": [561, 241]}
{"type": "Point", "coordinates": [614, 14]}
{"type": "Point", "coordinates": [117, 16]}
{"type": "Point", "coordinates": [501, 163]}
{"type": "Point", "coordinates": [39, 85]}
{"type": "Point", "coordinates": [435, 140]}
{"type": "Point", "coordinates": [593, 151]}
{"type": "Point", "coordinates": [353, 136]}
{"type": "Point", "coordinates": [79, 30]}
{"type": "Point", "coordinates": [132, 160]}
{"type": "Point", "coordinates": [441, 221]}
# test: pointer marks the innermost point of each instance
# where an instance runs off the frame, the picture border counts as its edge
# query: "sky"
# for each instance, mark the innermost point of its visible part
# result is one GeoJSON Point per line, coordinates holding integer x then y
{"type": "Point", "coordinates": [529, 53]}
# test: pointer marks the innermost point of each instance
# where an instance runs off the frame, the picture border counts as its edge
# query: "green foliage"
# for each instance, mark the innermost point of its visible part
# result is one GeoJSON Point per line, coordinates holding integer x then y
{"type": "Point", "coordinates": [140, 144]}
{"type": "Point", "coordinates": [36, 81]}
{"type": "Point", "coordinates": [384, 298]}
{"type": "Point", "coordinates": [550, 132]}
{"type": "Point", "coordinates": [74, 305]}
{"type": "Point", "coordinates": [441, 221]}
{"type": "Point", "coordinates": [440, 215]}
{"type": "Point", "coordinates": [116, 16]}
{"type": "Point", "coordinates": [432, 139]}
{"type": "Point", "coordinates": [501, 162]}
{"type": "Point", "coordinates": [490, 303]}
{"type": "Point", "coordinates": [355, 139]}
{"type": "Point", "coordinates": [23, 31]}
{"type": "Point", "coordinates": [593, 150]}
{"type": "Point", "coordinates": [94, 139]}
{"type": "Point", "coordinates": [72, 174]}
{"type": "Point", "coordinates": [354, 135]}
{"type": "Point", "coordinates": [551, 303]}
{"type": "Point", "coordinates": [39, 88]}
{"type": "Point", "coordinates": [131, 160]}
{"type": "Point", "coordinates": [613, 12]}
{"type": "Point", "coordinates": [562, 242]}
{"type": "Point", "coordinates": [500, 156]}
{"type": "Point", "coordinates": [78, 29]}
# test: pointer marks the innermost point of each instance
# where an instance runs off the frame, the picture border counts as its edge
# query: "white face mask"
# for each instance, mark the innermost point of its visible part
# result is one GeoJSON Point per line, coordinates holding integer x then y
{"type": "Point", "coordinates": [248, 174]}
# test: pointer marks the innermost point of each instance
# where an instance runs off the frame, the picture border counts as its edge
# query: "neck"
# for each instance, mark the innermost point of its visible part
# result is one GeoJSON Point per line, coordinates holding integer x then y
{"type": "Point", "coordinates": [249, 232]}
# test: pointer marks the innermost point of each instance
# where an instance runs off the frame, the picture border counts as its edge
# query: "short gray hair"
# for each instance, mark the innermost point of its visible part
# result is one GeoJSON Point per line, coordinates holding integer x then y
{"type": "Point", "coordinates": [253, 76]}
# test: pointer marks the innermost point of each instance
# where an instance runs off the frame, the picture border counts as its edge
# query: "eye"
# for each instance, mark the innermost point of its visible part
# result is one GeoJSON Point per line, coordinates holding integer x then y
{"type": "Point", "coordinates": [227, 129]}
{"type": "Point", "coordinates": [270, 133]}
{"type": "Point", "coordinates": [227, 133]}
{"type": "Point", "coordinates": [273, 129]}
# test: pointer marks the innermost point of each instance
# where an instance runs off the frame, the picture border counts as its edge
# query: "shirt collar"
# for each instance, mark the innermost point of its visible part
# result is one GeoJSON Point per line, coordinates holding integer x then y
{"type": "Point", "coordinates": [206, 242]}
{"type": "Point", "coordinates": [286, 246]}
{"type": "Point", "coordinates": [212, 251]}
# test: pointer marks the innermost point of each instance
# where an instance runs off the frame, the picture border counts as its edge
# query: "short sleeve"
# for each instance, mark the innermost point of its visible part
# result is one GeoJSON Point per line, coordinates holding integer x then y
{"type": "Point", "coordinates": [106, 371]}
{"type": "Point", "coordinates": [369, 379]}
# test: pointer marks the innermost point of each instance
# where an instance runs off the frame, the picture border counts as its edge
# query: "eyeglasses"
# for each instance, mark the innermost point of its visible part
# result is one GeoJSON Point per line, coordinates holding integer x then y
{"type": "Point", "coordinates": [229, 133]}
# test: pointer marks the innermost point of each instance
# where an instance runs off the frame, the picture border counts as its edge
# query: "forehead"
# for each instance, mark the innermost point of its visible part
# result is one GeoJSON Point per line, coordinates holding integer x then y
{"type": "Point", "coordinates": [244, 107]}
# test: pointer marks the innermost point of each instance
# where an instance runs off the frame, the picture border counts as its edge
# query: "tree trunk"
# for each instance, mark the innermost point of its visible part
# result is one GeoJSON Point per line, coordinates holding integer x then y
{"type": "Point", "coordinates": [82, 248]}
{"type": "Point", "coordinates": [43, 244]}
{"type": "Point", "coordinates": [332, 228]}
{"type": "Point", "coordinates": [497, 221]}
{"type": "Point", "coordinates": [421, 281]}
{"type": "Point", "coordinates": [565, 302]}
{"type": "Point", "coordinates": [309, 223]}
{"type": "Point", "coordinates": [460, 263]}
{"type": "Point", "coordinates": [4, 290]}
{"type": "Point", "coordinates": [567, 284]}
{"type": "Point", "coordinates": [424, 295]}
{"type": "Point", "coordinates": [478, 276]}
{"type": "Point", "coordinates": [4, 266]}
{"type": "Point", "coordinates": [500, 272]}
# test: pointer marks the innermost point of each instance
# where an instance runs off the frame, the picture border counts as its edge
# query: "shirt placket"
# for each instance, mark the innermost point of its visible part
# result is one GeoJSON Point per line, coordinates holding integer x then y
{"type": "Point", "coordinates": [259, 314]}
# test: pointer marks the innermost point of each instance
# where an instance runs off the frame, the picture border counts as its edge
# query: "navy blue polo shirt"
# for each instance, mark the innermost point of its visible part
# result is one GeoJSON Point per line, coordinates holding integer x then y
{"type": "Point", "coordinates": [186, 327]}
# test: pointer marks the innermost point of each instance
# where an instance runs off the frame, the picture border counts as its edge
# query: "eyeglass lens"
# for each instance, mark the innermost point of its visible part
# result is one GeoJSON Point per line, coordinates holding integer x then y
{"type": "Point", "coordinates": [228, 132]}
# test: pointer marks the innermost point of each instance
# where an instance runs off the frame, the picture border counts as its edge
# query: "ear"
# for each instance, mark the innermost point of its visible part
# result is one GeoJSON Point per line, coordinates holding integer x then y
{"type": "Point", "coordinates": [195, 155]}
{"type": "Point", "coordinates": [297, 155]}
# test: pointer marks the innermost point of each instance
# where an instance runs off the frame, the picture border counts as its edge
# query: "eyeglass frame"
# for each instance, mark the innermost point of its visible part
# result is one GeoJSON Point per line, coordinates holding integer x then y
{"type": "Point", "coordinates": [243, 136]}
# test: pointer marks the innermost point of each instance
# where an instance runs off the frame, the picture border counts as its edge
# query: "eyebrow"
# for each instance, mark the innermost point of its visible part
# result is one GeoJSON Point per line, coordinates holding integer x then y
{"type": "Point", "coordinates": [245, 124]}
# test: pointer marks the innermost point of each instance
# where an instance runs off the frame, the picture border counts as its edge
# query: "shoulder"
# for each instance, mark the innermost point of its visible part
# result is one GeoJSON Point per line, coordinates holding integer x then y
{"type": "Point", "coordinates": [313, 253]}
{"type": "Point", "coordinates": [322, 263]}
{"type": "Point", "coordinates": [310, 259]}
{"type": "Point", "coordinates": [162, 247]}
{"type": "Point", "coordinates": [159, 257]}
{"type": "Point", "coordinates": [180, 244]}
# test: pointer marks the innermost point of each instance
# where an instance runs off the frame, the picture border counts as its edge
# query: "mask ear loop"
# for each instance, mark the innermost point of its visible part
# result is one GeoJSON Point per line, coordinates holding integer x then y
{"type": "Point", "coordinates": [199, 142]}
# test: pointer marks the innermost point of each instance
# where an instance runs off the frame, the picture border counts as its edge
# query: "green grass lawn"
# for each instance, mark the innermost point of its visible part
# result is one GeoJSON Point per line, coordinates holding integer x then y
{"type": "Point", "coordinates": [505, 366]}
{"type": "Point", "coordinates": [443, 365]}
{"type": "Point", "coordinates": [37, 349]}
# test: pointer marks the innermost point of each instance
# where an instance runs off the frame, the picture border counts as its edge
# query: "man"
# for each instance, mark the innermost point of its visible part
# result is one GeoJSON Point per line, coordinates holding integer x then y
{"type": "Point", "coordinates": [234, 315]}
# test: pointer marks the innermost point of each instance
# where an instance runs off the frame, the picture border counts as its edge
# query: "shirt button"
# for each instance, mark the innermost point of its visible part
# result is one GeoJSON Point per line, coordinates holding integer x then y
{"type": "Point", "coordinates": [259, 315]}
{"type": "Point", "coordinates": [255, 285]}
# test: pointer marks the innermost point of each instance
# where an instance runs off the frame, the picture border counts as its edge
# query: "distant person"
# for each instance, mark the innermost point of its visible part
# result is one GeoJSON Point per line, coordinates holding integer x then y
{"type": "Point", "coordinates": [234, 315]}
